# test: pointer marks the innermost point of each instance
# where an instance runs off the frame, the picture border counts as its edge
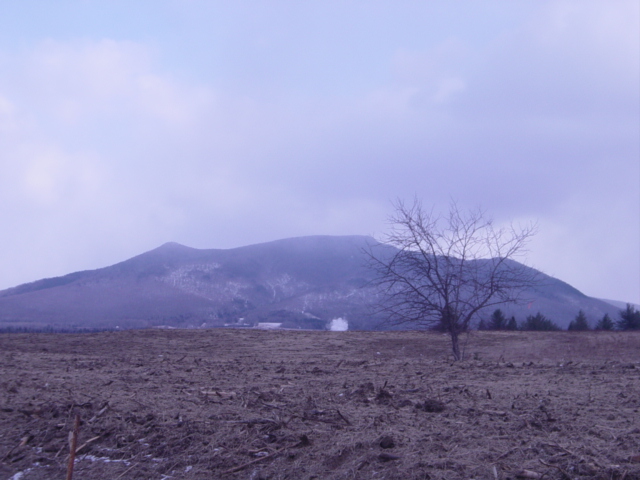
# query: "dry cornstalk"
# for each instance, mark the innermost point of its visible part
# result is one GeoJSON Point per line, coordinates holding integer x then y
{"type": "Point", "coordinates": [561, 470]}
{"type": "Point", "coordinates": [23, 441]}
{"type": "Point", "coordinates": [219, 393]}
{"type": "Point", "coordinates": [73, 442]}
{"type": "Point", "coordinates": [494, 412]}
{"type": "Point", "coordinates": [245, 465]}
{"type": "Point", "coordinates": [85, 444]}
{"type": "Point", "coordinates": [346, 420]}
{"type": "Point", "coordinates": [101, 412]}
{"type": "Point", "coordinates": [126, 471]}
{"type": "Point", "coordinates": [304, 441]}
{"type": "Point", "coordinates": [505, 454]}
{"type": "Point", "coordinates": [528, 474]}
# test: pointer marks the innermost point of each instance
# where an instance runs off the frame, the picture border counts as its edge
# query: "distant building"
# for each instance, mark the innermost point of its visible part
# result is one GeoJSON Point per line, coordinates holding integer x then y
{"type": "Point", "coordinates": [269, 326]}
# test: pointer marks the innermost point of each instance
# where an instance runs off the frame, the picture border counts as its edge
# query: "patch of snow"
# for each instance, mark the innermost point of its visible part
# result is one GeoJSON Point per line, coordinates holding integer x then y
{"type": "Point", "coordinates": [19, 475]}
{"type": "Point", "coordinates": [93, 458]}
{"type": "Point", "coordinates": [152, 458]}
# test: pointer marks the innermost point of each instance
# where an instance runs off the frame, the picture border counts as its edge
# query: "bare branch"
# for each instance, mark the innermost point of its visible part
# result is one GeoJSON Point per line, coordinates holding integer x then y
{"type": "Point", "coordinates": [441, 271]}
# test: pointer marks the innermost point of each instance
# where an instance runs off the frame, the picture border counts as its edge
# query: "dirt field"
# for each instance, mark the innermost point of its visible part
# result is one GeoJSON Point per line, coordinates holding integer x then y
{"type": "Point", "coordinates": [247, 404]}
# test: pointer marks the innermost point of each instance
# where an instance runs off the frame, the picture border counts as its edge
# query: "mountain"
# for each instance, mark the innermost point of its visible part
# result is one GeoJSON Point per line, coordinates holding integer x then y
{"type": "Point", "coordinates": [621, 305]}
{"type": "Point", "coordinates": [297, 282]}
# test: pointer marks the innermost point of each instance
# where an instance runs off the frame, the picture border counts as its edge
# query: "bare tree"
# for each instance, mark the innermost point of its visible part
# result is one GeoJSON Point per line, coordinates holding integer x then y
{"type": "Point", "coordinates": [444, 270]}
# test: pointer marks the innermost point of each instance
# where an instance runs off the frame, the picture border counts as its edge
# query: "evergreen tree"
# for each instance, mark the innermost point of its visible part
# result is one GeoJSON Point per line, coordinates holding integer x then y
{"type": "Point", "coordinates": [580, 323]}
{"type": "Point", "coordinates": [539, 323]}
{"type": "Point", "coordinates": [605, 323]}
{"type": "Point", "coordinates": [498, 320]}
{"type": "Point", "coordinates": [512, 324]}
{"type": "Point", "coordinates": [629, 319]}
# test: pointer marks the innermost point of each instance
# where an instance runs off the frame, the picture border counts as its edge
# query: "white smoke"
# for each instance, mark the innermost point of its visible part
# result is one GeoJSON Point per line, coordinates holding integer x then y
{"type": "Point", "coordinates": [339, 325]}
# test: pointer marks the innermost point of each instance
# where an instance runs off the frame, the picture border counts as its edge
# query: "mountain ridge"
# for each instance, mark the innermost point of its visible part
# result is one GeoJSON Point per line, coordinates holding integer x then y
{"type": "Point", "coordinates": [301, 282]}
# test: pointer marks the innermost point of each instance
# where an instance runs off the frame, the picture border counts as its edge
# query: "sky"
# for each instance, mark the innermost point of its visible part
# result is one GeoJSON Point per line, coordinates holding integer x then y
{"type": "Point", "coordinates": [217, 124]}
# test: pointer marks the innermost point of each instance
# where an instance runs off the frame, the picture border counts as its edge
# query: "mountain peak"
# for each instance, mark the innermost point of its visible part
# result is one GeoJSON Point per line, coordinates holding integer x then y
{"type": "Point", "coordinates": [172, 246]}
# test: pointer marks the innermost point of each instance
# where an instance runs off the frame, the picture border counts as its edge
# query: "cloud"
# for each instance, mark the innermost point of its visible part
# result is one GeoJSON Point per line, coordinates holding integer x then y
{"type": "Point", "coordinates": [82, 82]}
{"type": "Point", "coordinates": [590, 243]}
{"type": "Point", "coordinates": [111, 148]}
{"type": "Point", "coordinates": [8, 122]}
{"type": "Point", "coordinates": [78, 122]}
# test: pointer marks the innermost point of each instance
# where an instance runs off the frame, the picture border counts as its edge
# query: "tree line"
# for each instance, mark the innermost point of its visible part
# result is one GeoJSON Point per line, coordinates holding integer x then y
{"type": "Point", "coordinates": [629, 320]}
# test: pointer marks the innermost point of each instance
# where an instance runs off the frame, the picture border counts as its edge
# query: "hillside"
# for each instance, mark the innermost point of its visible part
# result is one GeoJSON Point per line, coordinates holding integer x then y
{"type": "Point", "coordinates": [298, 282]}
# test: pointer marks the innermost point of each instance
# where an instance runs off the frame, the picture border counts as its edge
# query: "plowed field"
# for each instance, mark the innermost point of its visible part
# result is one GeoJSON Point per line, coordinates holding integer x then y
{"type": "Point", "coordinates": [248, 404]}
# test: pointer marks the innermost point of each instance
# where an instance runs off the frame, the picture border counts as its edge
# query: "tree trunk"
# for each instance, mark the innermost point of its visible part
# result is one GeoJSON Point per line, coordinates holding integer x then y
{"type": "Point", "coordinates": [455, 345]}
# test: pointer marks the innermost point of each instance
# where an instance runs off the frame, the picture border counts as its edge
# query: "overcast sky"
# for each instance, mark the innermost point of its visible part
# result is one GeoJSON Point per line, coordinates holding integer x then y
{"type": "Point", "coordinates": [216, 124]}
